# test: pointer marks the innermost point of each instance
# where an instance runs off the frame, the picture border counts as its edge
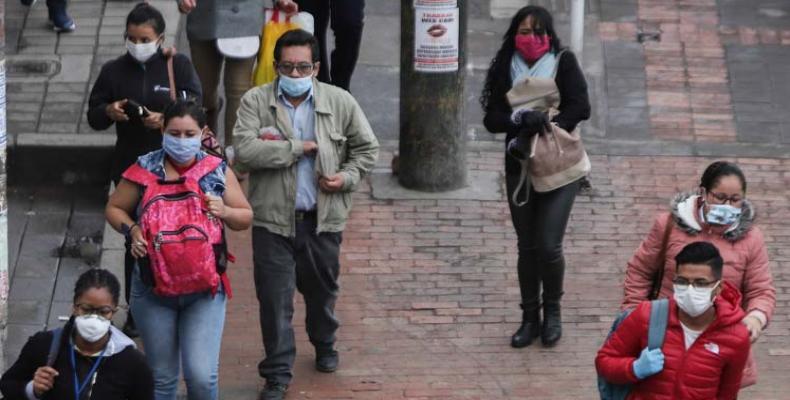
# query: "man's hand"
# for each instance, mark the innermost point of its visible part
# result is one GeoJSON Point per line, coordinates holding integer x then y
{"type": "Point", "coordinates": [289, 7]}
{"type": "Point", "coordinates": [153, 120]}
{"type": "Point", "coordinates": [310, 147]}
{"type": "Point", "coordinates": [186, 6]}
{"type": "Point", "coordinates": [650, 362]}
{"type": "Point", "coordinates": [331, 183]}
{"type": "Point", "coordinates": [754, 325]}
{"type": "Point", "coordinates": [115, 111]}
{"type": "Point", "coordinates": [43, 380]}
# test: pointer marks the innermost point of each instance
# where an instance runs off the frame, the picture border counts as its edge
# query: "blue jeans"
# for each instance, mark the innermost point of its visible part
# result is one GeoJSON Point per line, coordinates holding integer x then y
{"type": "Point", "coordinates": [180, 330]}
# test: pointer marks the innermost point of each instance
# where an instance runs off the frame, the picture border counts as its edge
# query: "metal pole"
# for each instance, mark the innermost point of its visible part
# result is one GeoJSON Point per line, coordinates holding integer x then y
{"type": "Point", "coordinates": [577, 27]}
{"type": "Point", "coordinates": [4, 277]}
{"type": "Point", "coordinates": [432, 75]}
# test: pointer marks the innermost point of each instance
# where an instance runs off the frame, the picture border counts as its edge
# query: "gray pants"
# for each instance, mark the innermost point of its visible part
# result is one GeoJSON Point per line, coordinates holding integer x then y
{"type": "Point", "coordinates": [308, 262]}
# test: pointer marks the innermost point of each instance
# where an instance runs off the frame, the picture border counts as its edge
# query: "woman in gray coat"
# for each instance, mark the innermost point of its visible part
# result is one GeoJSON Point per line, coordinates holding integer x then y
{"type": "Point", "coordinates": [207, 21]}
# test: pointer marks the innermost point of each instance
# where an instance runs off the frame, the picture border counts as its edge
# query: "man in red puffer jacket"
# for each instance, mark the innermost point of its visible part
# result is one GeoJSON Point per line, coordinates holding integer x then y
{"type": "Point", "coordinates": [705, 347]}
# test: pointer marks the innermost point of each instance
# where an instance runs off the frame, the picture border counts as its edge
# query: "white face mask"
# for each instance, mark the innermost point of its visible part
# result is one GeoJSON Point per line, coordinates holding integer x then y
{"type": "Point", "coordinates": [142, 51]}
{"type": "Point", "coordinates": [694, 301]}
{"type": "Point", "coordinates": [92, 327]}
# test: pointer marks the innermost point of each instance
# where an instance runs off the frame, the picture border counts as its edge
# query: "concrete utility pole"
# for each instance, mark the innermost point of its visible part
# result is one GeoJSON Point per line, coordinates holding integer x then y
{"type": "Point", "coordinates": [432, 75]}
{"type": "Point", "coordinates": [577, 28]}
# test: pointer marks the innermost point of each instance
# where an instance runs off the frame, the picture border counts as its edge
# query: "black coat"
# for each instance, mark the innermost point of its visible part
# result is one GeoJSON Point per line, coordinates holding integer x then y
{"type": "Point", "coordinates": [121, 376]}
{"type": "Point", "coordinates": [574, 103]}
{"type": "Point", "coordinates": [147, 84]}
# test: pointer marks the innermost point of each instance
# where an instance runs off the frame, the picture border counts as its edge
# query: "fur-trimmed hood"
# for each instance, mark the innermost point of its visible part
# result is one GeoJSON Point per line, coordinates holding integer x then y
{"type": "Point", "coordinates": [684, 206]}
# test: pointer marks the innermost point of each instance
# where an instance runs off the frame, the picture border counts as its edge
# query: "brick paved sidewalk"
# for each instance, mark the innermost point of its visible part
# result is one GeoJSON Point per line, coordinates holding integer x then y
{"type": "Point", "coordinates": [429, 292]}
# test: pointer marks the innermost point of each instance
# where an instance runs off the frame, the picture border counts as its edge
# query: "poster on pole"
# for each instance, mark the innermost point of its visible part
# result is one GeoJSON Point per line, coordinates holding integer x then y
{"type": "Point", "coordinates": [436, 39]}
{"type": "Point", "coordinates": [436, 3]}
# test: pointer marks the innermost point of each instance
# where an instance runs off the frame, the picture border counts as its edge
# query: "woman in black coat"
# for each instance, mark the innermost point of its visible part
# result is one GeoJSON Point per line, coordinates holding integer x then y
{"type": "Point", "coordinates": [531, 48]}
{"type": "Point", "coordinates": [88, 350]}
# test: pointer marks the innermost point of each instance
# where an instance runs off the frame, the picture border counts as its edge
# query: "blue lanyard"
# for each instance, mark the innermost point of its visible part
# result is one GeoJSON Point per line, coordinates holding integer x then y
{"type": "Point", "coordinates": [80, 388]}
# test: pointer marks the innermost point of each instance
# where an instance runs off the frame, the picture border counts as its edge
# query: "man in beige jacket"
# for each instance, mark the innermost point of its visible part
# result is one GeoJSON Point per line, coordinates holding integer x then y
{"type": "Point", "coordinates": [306, 146]}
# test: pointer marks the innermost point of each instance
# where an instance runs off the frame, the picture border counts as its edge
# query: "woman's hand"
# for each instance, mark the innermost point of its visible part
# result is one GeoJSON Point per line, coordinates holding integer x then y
{"type": "Point", "coordinates": [289, 7]}
{"type": "Point", "coordinates": [115, 111]}
{"type": "Point", "coordinates": [216, 206]}
{"type": "Point", "coordinates": [153, 120]}
{"type": "Point", "coordinates": [754, 325]}
{"type": "Point", "coordinates": [43, 380]}
{"type": "Point", "coordinates": [139, 244]}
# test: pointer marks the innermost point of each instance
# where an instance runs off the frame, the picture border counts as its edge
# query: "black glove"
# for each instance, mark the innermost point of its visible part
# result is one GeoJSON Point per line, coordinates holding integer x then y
{"type": "Point", "coordinates": [531, 122]}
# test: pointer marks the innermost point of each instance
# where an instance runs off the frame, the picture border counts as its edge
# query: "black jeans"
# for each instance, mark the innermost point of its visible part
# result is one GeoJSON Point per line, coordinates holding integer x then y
{"type": "Point", "coordinates": [347, 19]}
{"type": "Point", "coordinates": [309, 262]}
{"type": "Point", "coordinates": [540, 226]}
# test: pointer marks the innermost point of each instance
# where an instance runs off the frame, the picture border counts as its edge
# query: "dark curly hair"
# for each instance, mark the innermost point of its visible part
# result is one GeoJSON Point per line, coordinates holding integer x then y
{"type": "Point", "coordinates": [718, 170]}
{"type": "Point", "coordinates": [97, 278]}
{"type": "Point", "coordinates": [497, 79]}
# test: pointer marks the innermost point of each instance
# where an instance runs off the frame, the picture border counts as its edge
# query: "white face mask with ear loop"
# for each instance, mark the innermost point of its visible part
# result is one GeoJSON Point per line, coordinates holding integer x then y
{"type": "Point", "coordinates": [692, 300]}
{"type": "Point", "coordinates": [142, 52]}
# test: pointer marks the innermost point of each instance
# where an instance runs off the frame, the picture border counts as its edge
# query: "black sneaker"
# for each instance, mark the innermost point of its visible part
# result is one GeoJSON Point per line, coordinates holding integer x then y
{"type": "Point", "coordinates": [326, 361]}
{"type": "Point", "coordinates": [61, 21]}
{"type": "Point", "coordinates": [273, 391]}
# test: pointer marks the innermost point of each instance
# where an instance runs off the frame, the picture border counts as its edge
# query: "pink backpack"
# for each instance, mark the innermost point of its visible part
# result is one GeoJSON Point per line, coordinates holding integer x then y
{"type": "Point", "coordinates": [185, 242]}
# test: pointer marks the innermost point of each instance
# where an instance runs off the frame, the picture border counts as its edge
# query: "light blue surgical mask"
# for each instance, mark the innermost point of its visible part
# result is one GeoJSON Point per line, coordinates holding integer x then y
{"type": "Point", "coordinates": [723, 214]}
{"type": "Point", "coordinates": [181, 150]}
{"type": "Point", "coordinates": [295, 87]}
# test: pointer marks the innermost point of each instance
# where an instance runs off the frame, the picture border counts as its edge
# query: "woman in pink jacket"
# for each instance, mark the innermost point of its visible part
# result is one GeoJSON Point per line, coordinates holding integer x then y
{"type": "Point", "coordinates": [720, 214]}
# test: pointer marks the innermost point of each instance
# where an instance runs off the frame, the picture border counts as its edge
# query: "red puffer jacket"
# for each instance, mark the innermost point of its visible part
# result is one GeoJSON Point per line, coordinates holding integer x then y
{"type": "Point", "coordinates": [711, 368]}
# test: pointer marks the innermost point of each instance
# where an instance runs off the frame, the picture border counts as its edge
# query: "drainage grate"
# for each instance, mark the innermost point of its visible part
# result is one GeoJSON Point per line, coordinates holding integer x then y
{"type": "Point", "coordinates": [648, 36]}
{"type": "Point", "coordinates": [28, 68]}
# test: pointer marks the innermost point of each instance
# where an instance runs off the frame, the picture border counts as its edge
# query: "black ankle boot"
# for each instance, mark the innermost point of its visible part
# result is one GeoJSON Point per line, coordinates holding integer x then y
{"type": "Point", "coordinates": [552, 324]}
{"type": "Point", "coordinates": [529, 329]}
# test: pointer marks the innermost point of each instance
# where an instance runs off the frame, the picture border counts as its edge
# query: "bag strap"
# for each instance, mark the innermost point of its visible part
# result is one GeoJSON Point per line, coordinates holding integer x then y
{"type": "Point", "coordinates": [169, 54]}
{"type": "Point", "coordinates": [203, 167]}
{"type": "Point", "coordinates": [54, 346]}
{"type": "Point", "coordinates": [523, 184]}
{"type": "Point", "coordinates": [659, 317]}
{"type": "Point", "coordinates": [655, 290]}
{"type": "Point", "coordinates": [140, 175]}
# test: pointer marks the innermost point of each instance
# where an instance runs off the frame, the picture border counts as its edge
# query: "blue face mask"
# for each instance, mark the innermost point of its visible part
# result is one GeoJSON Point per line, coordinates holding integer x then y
{"type": "Point", "coordinates": [723, 214]}
{"type": "Point", "coordinates": [295, 87]}
{"type": "Point", "coordinates": [181, 150]}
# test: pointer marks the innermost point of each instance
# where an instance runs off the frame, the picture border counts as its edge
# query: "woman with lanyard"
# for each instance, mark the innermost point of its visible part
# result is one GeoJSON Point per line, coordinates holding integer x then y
{"type": "Point", "coordinates": [88, 358]}
{"type": "Point", "coordinates": [531, 48]}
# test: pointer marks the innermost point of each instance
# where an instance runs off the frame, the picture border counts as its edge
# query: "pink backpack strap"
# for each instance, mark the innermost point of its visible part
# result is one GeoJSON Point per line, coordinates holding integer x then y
{"type": "Point", "coordinates": [140, 175]}
{"type": "Point", "coordinates": [203, 167]}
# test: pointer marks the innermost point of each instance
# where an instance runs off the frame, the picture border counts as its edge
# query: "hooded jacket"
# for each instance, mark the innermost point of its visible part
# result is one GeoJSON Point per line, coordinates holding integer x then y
{"type": "Point", "coordinates": [741, 246]}
{"type": "Point", "coordinates": [122, 374]}
{"type": "Point", "coordinates": [711, 368]}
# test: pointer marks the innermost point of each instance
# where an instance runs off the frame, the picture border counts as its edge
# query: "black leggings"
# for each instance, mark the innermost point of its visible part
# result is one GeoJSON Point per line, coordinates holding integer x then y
{"type": "Point", "coordinates": [346, 18]}
{"type": "Point", "coordinates": [540, 225]}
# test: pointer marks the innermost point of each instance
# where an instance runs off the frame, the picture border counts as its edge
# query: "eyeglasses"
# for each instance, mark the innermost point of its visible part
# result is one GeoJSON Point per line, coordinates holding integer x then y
{"type": "Point", "coordinates": [104, 311]}
{"type": "Point", "coordinates": [683, 283]}
{"type": "Point", "coordinates": [286, 68]}
{"type": "Point", "coordinates": [722, 198]}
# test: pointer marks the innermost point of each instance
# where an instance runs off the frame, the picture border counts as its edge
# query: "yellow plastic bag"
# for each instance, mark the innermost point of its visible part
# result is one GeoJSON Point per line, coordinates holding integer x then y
{"type": "Point", "coordinates": [275, 27]}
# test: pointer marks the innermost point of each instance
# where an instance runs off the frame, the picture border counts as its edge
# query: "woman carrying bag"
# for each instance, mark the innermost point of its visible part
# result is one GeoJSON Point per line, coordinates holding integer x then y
{"type": "Point", "coordinates": [721, 214]}
{"type": "Point", "coordinates": [87, 358]}
{"type": "Point", "coordinates": [531, 52]}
